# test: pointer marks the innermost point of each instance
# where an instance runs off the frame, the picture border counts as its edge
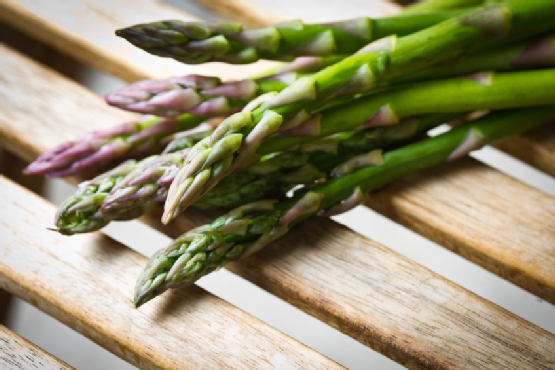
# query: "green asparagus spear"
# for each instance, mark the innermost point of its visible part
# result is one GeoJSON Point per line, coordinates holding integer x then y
{"type": "Point", "coordinates": [193, 43]}
{"type": "Point", "coordinates": [172, 97]}
{"type": "Point", "coordinates": [249, 228]}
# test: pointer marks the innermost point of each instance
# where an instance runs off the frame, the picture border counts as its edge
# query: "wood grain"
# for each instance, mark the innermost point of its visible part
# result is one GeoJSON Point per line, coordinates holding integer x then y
{"type": "Point", "coordinates": [365, 290]}
{"type": "Point", "coordinates": [536, 148]}
{"type": "Point", "coordinates": [86, 282]}
{"type": "Point", "coordinates": [249, 12]}
{"type": "Point", "coordinates": [481, 214]}
{"type": "Point", "coordinates": [18, 353]}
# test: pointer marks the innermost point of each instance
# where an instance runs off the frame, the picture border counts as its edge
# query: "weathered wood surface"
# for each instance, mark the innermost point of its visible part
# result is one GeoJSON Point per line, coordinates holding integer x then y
{"type": "Point", "coordinates": [86, 282]}
{"type": "Point", "coordinates": [481, 214]}
{"type": "Point", "coordinates": [536, 148]}
{"type": "Point", "coordinates": [18, 353]}
{"type": "Point", "coordinates": [369, 292]}
{"type": "Point", "coordinates": [85, 29]}
{"type": "Point", "coordinates": [249, 12]}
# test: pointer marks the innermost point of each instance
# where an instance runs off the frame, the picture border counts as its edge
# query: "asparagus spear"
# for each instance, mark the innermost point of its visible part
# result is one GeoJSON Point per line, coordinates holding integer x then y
{"type": "Point", "coordinates": [96, 150]}
{"type": "Point", "coordinates": [172, 97]}
{"type": "Point", "coordinates": [192, 42]}
{"type": "Point", "coordinates": [249, 228]}
{"type": "Point", "coordinates": [481, 91]}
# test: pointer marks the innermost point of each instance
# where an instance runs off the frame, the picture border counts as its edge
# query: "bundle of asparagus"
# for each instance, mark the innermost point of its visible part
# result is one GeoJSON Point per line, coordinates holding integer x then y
{"type": "Point", "coordinates": [312, 137]}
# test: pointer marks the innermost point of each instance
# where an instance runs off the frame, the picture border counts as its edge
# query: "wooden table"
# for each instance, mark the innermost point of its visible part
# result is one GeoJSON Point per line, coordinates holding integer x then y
{"type": "Point", "coordinates": [350, 282]}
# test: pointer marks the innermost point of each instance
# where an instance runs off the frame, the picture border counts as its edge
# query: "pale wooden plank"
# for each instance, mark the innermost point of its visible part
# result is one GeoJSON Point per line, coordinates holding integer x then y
{"type": "Point", "coordinates": [249, 12]}
{"type": "Point", "coordinates": [536, 148]}
{"type": "Point", "coordinates": [481, 214]}
{"type": "Point", "coordinates": [378, 297]}
{"type": "Point", "coordinates": [18, 353]}
{"type": "Point", "coordinates": [86, 281]}
{"type": "Point", "coordinates": [254, 14]}
{"type": "Point", "coordinates": [85, 29]}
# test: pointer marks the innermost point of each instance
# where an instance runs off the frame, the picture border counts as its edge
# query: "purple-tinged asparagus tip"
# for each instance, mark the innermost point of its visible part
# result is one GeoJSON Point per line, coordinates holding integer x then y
{"type": "Point", "coordinates": [302, 89]}
{"type": "Point", "coordinates": [269, 124]}
{"type": "Point", "coordinates": [242, 90]}
{"type": "Point", "coordinates": [310, 127]}
{"type": "Point", "coordinates": [285, 77]}
{"type": "Point", "coordinates": [494, 21]}
{"type": "Point", "coordinates": [321, 45]}
{"type": "Point", "coordinates": [358, 27]}
{"type": "Point", "coordinates": [483, 78]}
{"type": "Point", "coordinates": [383, 45]}
{"type": "Point", "coordinates": [372, 158]}
{"type": "Point", "coordinates": [357, 198]}
{"type": "Point", "coordinates": [540, 53]}
{"type": "Point", "coordinates": [212, 108]}
{"type": "Point", "coordinates": [307, 204]}
{"type": "Point", "coordinates": [473, 141]}
{"type": "Point", "coordinates": [385, 116]}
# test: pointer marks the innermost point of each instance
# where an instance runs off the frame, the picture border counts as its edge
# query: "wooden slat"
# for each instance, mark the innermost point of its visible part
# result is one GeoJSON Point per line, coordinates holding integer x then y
{"type": "Point", "coordinates": [86, 281]}
{"type": "Point", "coordinates": [481, 214]}
{"type": "Point", "coordinates": [369, 292]}
{"type": "Point", "coordinates": [18, 353]}
{"type": "Point", "coordinates": [85, 30]}
{"type": "Point", "coordinates": [249, 12]}
{"type": "Point", "coordinates": [537, 148]}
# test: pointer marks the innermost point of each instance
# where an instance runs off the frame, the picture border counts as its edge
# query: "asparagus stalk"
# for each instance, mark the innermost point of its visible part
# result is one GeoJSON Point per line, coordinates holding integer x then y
{"type": "Point", "coordinates": [249, 228]}
{"type": "Point", "coordinates": [534, 52]}
{"type": "Point", "coordinates": [98, 149]}
{"type": "Point", "coordinates": [172, 97]}
{"type": "Point", "coordinates": [480, 91]}
{"type": "Point", "coordinates": [192, 42]}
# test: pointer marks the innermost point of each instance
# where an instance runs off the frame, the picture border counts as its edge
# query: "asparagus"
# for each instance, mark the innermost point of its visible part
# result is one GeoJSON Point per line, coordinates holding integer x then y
{"type": "Point", "coordinates": [274, 175]}
{"type": "Point", "coordinates": [192, 42]}
{"type": "Point", "coordinates": [172, 96]}
{"type": "Point", "coordinates": [96, 150]}
{"type": "Point", "coordinates": [249, 228]}
{"type": "Point", "coordinates": [486, 90]}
